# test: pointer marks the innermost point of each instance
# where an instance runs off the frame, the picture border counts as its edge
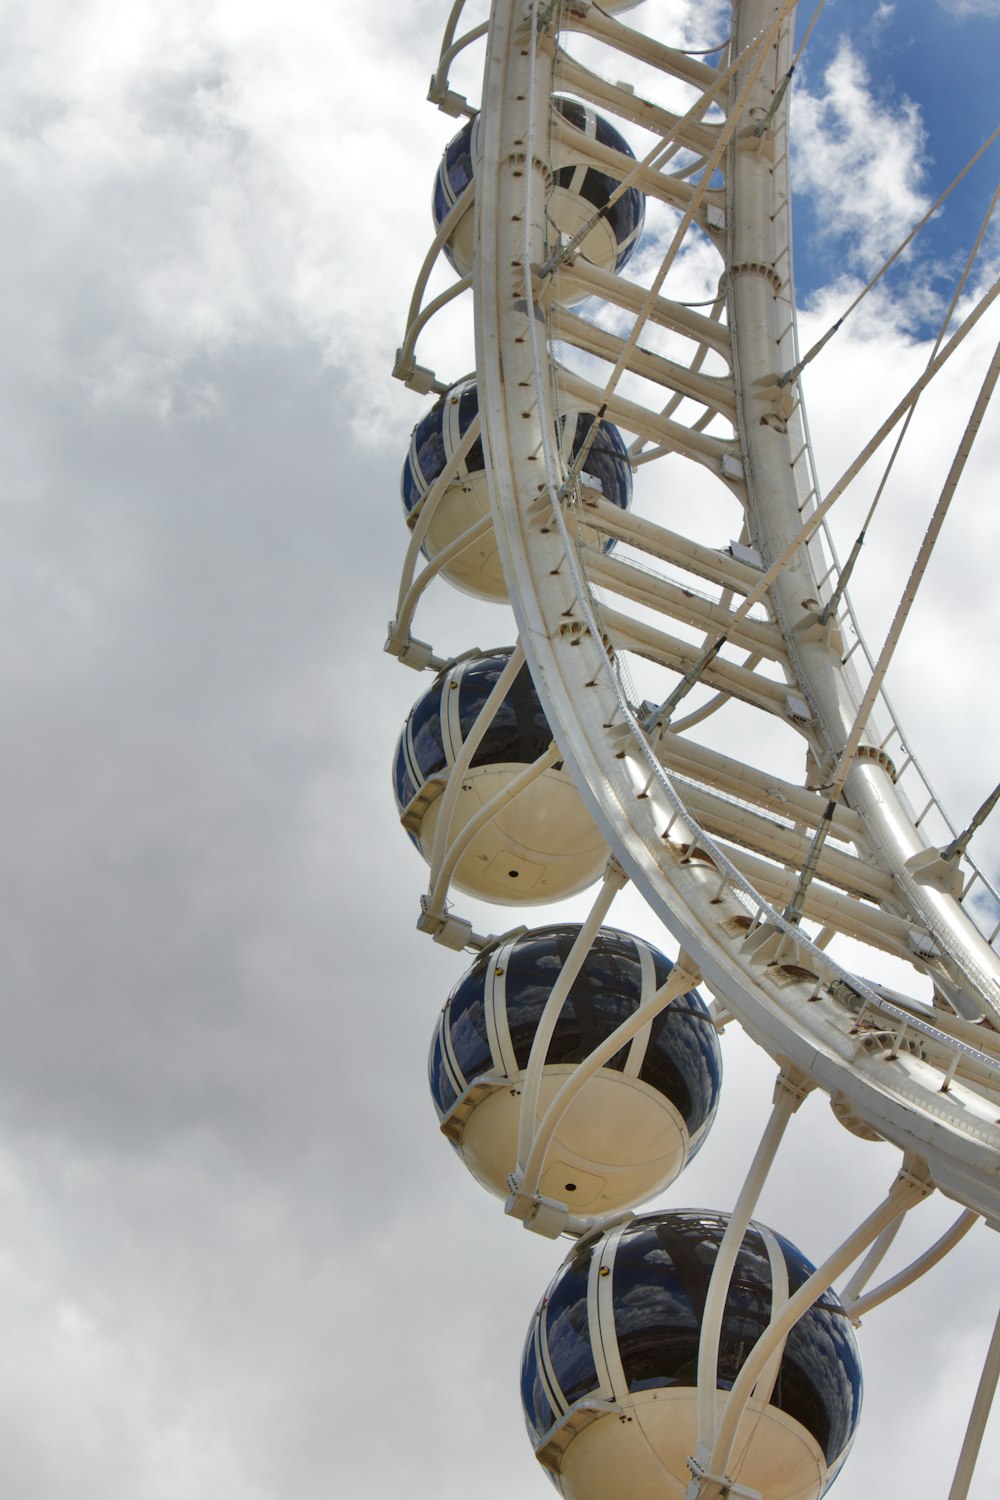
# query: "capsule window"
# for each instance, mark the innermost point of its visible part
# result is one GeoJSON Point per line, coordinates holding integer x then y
{"type": "Point", "coordinates": [604, 994]}
{"type": "Point", "coordinates": [820, 1380]}
{"type": "Point", "coordinates": [402, 783]}
{"type": "Point", "coordinates": [567, 1335]}
{"type": "Point", "coordinates": [519, 732]}
{"type": "Point", "coordinates": [656, 1322]}
{"type": "Point", "coordinates": [442, 1088]}
{"type": "Point", "coordinates": [682, 1058]}
{"type": "Point", "coordinates": [426, 735]}
{"type": "Point", "coordinates": [537, 1409]}
{"type": "Point", "coordinates": [426, 459]}
{"type": "Point", "coordinates": [429, 448]}
{"type": "Point", "coordinates": [607, 461]}
{"type": "Point", "coordinates": [466, 1022]}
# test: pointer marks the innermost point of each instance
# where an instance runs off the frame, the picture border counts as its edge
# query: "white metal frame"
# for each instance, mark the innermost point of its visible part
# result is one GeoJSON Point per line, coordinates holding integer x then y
{"type": "Point", "coordinates": [576, 678]}
{"type": "Point", "coordinates": [716, 847]}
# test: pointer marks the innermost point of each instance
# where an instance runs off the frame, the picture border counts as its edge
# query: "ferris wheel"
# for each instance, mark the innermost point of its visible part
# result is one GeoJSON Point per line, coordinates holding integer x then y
{"type": "Point", "coordinates": [690, 709]}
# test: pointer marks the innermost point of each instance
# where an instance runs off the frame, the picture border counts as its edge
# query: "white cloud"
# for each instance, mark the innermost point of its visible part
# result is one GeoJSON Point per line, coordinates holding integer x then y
{"type": "Point", "coordinates": [861, 160]}
{"type": "Point", "coordinates": [971, 7]}
{"type": "Point", "coordinates": [236, 171]}
{"type": "Point", "coordinates": [238, 1258]}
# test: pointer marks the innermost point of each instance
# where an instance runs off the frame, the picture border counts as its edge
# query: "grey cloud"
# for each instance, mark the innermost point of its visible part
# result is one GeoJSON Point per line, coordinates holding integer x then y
{"type": "Point", "coordinates": [238, 1257]}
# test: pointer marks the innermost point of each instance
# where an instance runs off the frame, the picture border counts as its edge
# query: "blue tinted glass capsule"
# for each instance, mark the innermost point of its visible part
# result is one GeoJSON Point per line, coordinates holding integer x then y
{"type": "Point", "coordinates": [582, 187]}
{"type": "Point", "coordinates": [643, 1333]}
{"type": "Point", "coordinates": [539, 846]}
{"type": "Point", "coordinates": [465, 499]}
{"type": "Point", "coordinates": [612, 243]}
{"type": "Point", "coordinates": [636, 1123]}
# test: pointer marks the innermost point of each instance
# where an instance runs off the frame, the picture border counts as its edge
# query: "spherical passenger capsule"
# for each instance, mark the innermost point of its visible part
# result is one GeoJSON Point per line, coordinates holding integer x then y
{"type": "Point", "coordinates": [581, 187]}
{"type": "Point", "coordinates": [619, 1326]}
{"type": "Point", "coordinates": [465, 500]}
{"type": "Point", "coordinates": [635, 1124]}
{"type": "Point", "coordinates": [539, 846]}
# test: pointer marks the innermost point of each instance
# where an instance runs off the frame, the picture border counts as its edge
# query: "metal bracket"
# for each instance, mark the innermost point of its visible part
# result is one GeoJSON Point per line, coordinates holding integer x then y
{"type": "Point", "coordinates": [793, 1086]}
{"type": "Point", "coordinates": [416, 654]}
{"type": "Point", "coordinates": [706, 1486]}
{"type": "Point", "coordinates": [540, 1214]}
{"type": "Point", "coordinates": [915, 1174]}
{"type": "Point", "coordinates": [549, 1217]}
{"type": "Point", "coordinates": [929, 867]}
{"type": "Point", "coordinates": [447, 101]}
{"type": "Point", "coordinates": [745, 554]}
{"type": "Point", "coordinates": [416, 377]}
{"type": "Point", "coordinates": [450, 931]}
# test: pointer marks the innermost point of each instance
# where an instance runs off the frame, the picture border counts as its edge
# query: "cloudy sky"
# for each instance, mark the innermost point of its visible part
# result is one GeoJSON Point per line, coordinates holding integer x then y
{"type": "Point", "coordinates": [237, 1260]}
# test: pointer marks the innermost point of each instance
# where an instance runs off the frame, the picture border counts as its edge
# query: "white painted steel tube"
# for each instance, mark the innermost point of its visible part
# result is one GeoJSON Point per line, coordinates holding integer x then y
{"type": "Point", "coordinates": [680, 982]}
{"type": "Point", "coordinates": [462, 760]}
{"type": "Point", "coordinates": [785, 1104]}
{"type": "Point", "coordinates": [614, 879]}
{"type": "Point", "coordinates": [904, 1192]}
{"type": "Point", "coordinates": [428, 505]}
{"type": "Point", "coordinates": [977, 1419]}
{"type": "Point", "coordinates": [488, 811]}
{"type": "Point", "coordinates": [870, 1265]}
{"type": "Point", "coordinates": [861, 1305]}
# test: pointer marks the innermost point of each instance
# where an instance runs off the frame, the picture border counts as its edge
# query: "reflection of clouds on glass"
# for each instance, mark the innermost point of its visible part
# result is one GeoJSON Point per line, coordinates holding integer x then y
{"type": "Point", "coordinates": [442, 1090]}
{"type": "Point", "coordinates": [821, 1379]}
{"type": "Point", "coordinates": [657, 1333]}
{"type": "Point", "coordinates": [467, 1028]}
{"type": "Point", "coordinates": [661, 1277]}
{"type": "Point", "coordinates": [538, 1414]}
{"type": "Point", "coordinates": [683, 1045]}
{"type": "Point", "coordinates": [662, 1269]}
{"type": "Point", "coordinates": [563, 1312]}
{"type": "Point", "coordinates": [568, 1338]}
{"type": "Point", "coordinates": [605, 992]}
{"type": "Point", "coordinates": [820, 1384]}
{"type": "Point", "coordinates": [684, 1060]}
{"type": "Point", "coordinates": [643, 1308]}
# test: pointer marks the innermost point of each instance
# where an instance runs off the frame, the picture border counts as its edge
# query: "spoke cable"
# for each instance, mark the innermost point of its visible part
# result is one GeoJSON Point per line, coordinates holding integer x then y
{"type": "Point", "coordinates": [833, 603]}
{"type": "Point", "coordinates": [761, 44]}
{"type": "Point", "coordinates": [794, 910]}
{"type": "Point", "coordinates": [960, 842]}
{"type": "Point", "coordinates": [783, 86]}
{"type": "Point", "coordinates": [796, 370]}
{"type": "Point", "coordinates": [816, 517]}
